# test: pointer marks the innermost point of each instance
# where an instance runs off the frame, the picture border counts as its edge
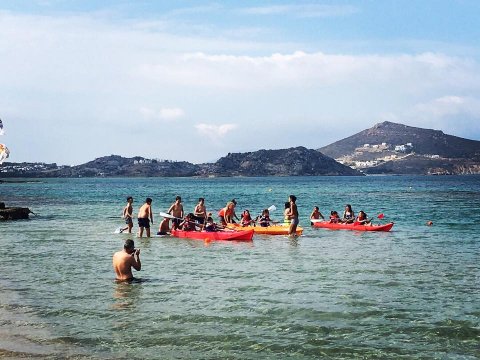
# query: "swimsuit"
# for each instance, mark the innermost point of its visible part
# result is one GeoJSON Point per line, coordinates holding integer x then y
{"type": "Point", "coordinates": [294, 221]}
{"type": "Point", "coordinates": [144, 222]}
{"type": "Point", "coordinates": [199, 219]}
{"type": "Point", "coordinates": [128, 220]}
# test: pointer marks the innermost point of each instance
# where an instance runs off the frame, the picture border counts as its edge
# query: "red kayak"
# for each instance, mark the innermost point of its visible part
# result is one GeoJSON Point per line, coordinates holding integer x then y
{"type": "Point", "coordinates": [341, 226]}
{"type": "Point", "coordinates": [229, 235]}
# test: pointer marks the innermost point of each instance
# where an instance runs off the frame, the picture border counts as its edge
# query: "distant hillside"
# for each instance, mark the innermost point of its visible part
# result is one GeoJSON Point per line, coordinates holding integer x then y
{"type": "Point", "coordinates": [390, 148]}
{"type": "Point", "coordinates": [424, 141]}
{"type": "Point", "coordinates": [284, 162]}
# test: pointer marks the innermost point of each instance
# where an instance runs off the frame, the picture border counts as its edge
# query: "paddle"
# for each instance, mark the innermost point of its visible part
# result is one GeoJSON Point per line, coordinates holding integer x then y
{"type": "Point", "coordinates": [169, 216]}
{"type": "Point", "coordinates": [380, 216]}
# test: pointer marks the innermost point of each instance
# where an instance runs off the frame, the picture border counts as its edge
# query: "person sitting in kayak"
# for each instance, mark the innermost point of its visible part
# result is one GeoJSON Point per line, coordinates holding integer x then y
{"type": "Point", "coordinates": [188, 224]}
{"type": "Point", "coordinates": [247, 219]}
{"type": "Point", "coordinates": [348, 215]}
{"type": "Point", "coordinates": [286, 218]}
{"type": "Point", "coordinates": [334, 218]}
{"type": "Point", "coordinates": [210, 226]}
{"type": "Point", "coordinates": [362, 219]}
{"type": "Point", "coordinates": [265, 218]}
{"type": "Point", "coordinates": [316, 215]}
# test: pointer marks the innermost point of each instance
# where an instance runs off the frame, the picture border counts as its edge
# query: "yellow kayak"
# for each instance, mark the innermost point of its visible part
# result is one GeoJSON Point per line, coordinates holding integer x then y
{"type": "Point", "coordinates": [267, 230]}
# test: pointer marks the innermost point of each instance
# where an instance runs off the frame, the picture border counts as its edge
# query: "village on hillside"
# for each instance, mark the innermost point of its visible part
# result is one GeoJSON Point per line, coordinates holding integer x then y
{"type": "Point", "coordinates": [371, 155]}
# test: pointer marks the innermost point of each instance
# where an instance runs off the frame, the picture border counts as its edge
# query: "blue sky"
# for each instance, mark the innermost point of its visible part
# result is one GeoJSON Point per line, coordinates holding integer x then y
{"type": "Point", "coordinates": [194, 80]}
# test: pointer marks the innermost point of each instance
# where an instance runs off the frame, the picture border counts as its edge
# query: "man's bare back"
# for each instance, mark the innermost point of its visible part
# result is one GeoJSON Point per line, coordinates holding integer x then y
{"type": "Point", "coordinates": [124, 260]}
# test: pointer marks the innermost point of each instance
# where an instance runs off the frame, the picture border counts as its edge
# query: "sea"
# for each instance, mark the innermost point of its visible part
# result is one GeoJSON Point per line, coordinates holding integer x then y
{"type": "Point", "coordinates": [411, 293]}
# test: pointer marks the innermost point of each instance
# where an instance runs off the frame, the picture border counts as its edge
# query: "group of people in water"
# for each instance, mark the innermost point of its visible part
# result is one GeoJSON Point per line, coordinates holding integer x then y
{"type": "Point", "coordinates": [129, 257]}
{"type": "Point", "coordinates": [200, 219]}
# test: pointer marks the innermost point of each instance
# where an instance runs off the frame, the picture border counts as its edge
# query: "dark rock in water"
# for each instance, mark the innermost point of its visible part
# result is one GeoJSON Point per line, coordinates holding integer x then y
{"type": "Point", "coordinates": [13, 213]}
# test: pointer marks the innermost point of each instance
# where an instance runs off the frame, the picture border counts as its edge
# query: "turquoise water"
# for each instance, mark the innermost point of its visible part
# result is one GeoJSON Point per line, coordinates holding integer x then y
{"type": "Point", "coordinates": [410, 293]}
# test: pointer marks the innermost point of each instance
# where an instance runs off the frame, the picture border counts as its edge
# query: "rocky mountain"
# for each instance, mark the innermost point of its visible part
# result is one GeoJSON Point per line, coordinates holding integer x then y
{"type": "Point", "coordinates": [390, 148]}
{"type": "Point", "coordinates": [115, 165]}
{"type": "Point", "coordinates": [284, 162]}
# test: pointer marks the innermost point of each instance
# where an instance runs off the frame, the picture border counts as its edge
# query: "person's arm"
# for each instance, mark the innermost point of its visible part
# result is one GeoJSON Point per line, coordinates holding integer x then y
{"type": "Point", "coordinates": [136, 263]}
{"type": "Point", "coordinates": [322, 216]}
{"type": "Point", "coordinates": [170, 209]}
{"type": "Point", "coordinates": [151, 213]}
{"type": "Point", "coordinates": [311, 215]}
{"type": "Point", "coordinates": [181, 211]}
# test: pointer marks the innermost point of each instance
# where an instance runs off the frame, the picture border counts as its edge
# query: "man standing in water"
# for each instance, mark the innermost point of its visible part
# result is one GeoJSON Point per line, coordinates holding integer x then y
{"type": "Point", "coordinates": [128, 215]}
{"type": "Point", "coordinates": [293, 215]}
{"type": "Point", "coordinates": [176, 210]}
{"type": "Point", "coordinates": [124, 260]}
{"type": "Point", "coordinates": [144, 213]}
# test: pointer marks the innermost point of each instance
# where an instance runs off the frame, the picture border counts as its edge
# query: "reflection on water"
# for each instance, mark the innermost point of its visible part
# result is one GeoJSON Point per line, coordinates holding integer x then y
{"type": "Point", "coordinates": [127, 293]}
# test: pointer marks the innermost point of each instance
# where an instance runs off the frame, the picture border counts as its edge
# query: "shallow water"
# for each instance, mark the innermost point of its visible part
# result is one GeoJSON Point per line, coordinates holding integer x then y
{"type": "Point", "coordinates": [410, 293]}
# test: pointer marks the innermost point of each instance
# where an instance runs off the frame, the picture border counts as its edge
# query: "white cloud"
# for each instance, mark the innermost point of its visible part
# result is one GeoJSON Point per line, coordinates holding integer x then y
{"type": "Point", "coordinates": [411, 73]}
{"type": "Point", "coordinates": [448, 106]}
{"type": "Point", "coordinates": [215, 132]}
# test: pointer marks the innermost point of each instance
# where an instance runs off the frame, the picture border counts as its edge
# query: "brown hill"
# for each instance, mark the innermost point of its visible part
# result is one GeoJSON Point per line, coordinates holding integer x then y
{"type": "Point", "coordinates": [424, 141]}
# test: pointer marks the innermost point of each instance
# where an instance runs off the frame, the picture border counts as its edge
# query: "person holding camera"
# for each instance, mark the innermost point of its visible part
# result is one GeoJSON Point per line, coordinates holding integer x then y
{"type": "Point", "coordinates": [125, 260]}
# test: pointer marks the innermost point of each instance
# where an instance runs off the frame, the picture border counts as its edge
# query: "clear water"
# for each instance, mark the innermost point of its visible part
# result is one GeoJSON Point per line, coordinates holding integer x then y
{"type": "Point", "coordinates": [410, 293]}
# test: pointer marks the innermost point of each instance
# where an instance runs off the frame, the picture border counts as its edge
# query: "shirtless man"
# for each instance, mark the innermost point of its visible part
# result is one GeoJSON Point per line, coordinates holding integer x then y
{"type": "Point", "coordinates": [144, 213]}
{"type": "Point", "coordinates": [293, 215]}
{"type": "Point", "coordinates": [124, 260]}
{"type": "Point", "coordinates": [128, 215]}
{"type": "Point", "coordinates": [164, 227]}
{"type": "Point", "coordinates": [200, 211]}
{"type": "Point", "coordinates": [176, 210]}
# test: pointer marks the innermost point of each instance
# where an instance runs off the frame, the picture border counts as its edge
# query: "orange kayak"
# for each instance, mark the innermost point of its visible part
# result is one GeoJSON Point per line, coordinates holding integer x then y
{"type": "Point", "coordinates": [267, 230]}
{"type": "Point", "coordinates": [228, 235]}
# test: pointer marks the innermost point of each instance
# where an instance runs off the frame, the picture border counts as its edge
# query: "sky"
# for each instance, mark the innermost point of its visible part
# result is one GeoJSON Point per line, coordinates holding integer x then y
{"type": "Point", "coordinates": [195, 80]}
